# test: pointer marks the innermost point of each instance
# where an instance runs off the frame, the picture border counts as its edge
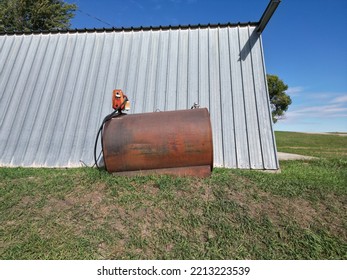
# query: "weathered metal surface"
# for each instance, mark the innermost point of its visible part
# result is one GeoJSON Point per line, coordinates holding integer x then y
{"type": "Point", "coordinates": [160, 140]}
{"type": "Point", "coordinates": [196, 171]}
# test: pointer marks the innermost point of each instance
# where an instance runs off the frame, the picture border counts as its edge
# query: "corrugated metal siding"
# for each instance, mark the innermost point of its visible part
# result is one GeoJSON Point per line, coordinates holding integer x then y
{"type": "Point", "coordinates": [55, 90]}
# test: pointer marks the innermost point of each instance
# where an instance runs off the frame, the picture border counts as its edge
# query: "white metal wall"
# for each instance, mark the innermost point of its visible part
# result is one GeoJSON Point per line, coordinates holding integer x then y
{"type": "Point", "coordinates": [55, 90]}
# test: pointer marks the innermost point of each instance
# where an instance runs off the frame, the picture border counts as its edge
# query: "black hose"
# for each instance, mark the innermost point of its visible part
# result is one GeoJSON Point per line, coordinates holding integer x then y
{"type": "Point", "coordinates": [114, 114]}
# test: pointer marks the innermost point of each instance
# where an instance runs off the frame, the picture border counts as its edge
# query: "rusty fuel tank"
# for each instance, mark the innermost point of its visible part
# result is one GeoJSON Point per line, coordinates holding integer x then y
{"type": "Point", "coordinates": [172, 142]}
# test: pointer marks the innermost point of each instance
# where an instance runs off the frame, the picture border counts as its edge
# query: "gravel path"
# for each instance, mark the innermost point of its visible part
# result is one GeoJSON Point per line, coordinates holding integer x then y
{"type": "Point", "coordinates": [287, 156]}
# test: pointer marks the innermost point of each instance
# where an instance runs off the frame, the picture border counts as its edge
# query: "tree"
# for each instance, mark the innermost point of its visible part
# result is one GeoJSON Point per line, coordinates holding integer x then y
{"type": "Point", "coordinates": [32, 15]}
{"type": "Point", "coordinates": [279, 100]}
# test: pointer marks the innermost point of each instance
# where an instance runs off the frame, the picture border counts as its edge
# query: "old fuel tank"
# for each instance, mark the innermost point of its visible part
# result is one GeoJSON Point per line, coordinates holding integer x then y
{"type": "Point", "coordinates": [172, 142]}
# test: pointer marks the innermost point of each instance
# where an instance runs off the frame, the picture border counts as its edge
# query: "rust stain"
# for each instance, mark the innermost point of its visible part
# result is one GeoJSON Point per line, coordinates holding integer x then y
{"type": "Point", "coordinates": [160, 140]}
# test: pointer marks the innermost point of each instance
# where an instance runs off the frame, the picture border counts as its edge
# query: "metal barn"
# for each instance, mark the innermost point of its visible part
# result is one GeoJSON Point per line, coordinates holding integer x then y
{"type": "Point", "coordinates": [55, 88]}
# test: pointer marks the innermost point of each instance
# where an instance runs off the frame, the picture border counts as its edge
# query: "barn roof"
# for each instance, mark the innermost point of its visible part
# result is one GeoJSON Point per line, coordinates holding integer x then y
{"type": "Point", "coordinates": [131, 28]}
{"type": "Point", "coordinates": [55, 89]}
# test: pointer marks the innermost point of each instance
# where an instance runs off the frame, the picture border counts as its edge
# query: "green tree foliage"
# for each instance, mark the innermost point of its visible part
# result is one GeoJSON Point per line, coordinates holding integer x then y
{"type": "Point", "coordinates": [29, 15]}
{"type": "Point", "coordinates": [279, 100]}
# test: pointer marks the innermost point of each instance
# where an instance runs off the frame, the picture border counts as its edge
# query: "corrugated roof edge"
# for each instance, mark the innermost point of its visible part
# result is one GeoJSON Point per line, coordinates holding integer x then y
{"type": "Point", "coordinates": [120, 29]}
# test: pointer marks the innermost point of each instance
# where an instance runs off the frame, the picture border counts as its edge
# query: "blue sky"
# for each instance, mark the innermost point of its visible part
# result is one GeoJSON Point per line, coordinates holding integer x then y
{"type": "Point", "coordinates": [305, 44]}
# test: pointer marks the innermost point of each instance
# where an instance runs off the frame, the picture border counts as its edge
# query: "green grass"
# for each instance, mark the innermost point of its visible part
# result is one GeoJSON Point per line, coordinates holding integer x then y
{"type": "Point", "coordinates": [299, 213]}
{"type": "Point", "coordinates": [318, 145]}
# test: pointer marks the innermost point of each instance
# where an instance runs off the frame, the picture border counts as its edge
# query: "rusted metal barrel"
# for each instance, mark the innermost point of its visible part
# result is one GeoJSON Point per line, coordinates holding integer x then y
{"type": "Point", "coordinates": [173, 142]}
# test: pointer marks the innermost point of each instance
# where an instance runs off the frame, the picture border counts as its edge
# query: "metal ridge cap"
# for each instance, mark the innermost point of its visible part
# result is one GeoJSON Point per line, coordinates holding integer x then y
{"type": "Point", "coordinates": [121, 29]}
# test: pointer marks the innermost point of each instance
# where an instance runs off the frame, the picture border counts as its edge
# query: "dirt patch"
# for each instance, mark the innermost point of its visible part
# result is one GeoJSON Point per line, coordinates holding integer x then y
{"type": "Point", "coordinates": [208, 195]}
{"type": "Point", "coordinates": [56, 205]}
{"type": "Point", "coordinates": [280, 209]}
{"type": "Point", "coordinates": [27, 201]}
{"type": "Point", "coordinates": [333, 214]}
{"type": "Point", "coordinates": [150, 189]}
{"type": "Point", "coordinates": [80, 210]}
{"type": "Point", "coordinates": [299, 209]}
{"type": "Point", "coordinates": [197, 190]}
{"type": "Point", "coordinates": [115, 251]}
{"type": "Point", "coordinates": [102, 250]}
{"type": "Point", "coordinates": [154, 220]}
{"type": "Point", "coordinates": [81, 195]}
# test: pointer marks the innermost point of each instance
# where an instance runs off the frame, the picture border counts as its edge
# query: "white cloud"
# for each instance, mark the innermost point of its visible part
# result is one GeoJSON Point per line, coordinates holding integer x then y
{"type": "Point", "coordinates": [323, 96]}
{"type": "Point", "coordinates": [340, 99]}
{"type": "Point", "coordinates": [315, 111]}
{"type": "Point", "coordinates": [294, 90]}
{"type": "Point", "coordinates": [324, 111]}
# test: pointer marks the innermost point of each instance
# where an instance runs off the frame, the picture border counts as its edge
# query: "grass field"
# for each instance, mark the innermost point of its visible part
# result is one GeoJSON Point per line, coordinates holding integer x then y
{"type": "Point", "coordinates": [300, 213]}
{"type": "Point", "coordinates": [318, 145]}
